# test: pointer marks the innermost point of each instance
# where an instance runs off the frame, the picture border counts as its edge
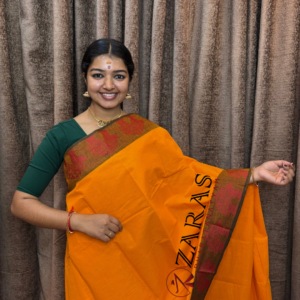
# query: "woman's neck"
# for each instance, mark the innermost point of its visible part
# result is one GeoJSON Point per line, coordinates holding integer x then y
{"type": "Point", "coordinates": [104, 113]}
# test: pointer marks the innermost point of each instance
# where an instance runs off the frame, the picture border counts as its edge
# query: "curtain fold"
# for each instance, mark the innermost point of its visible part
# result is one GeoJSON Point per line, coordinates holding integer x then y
{"type": "Point", "coordinates": [145, 46]}
{"type": "Point", "coordinates": [156, 60]}
{"type": "Point", "coordinates": [276, 126]}
{"type": "Point", "coordinates": [101, 19]}
{"type": "Point", "coordinates": [63, 68]}
{"type": "Point", "coordinates": [131, 41]}
{"type": "Point", "coordinates": [166, 101]}
{"type": "Point", "coordinates": [209, 83]}
{"type": "Point", "coordinates": [223, 77]}
{"type": "Point", "coordinates": [37, 50]}
{"type": "Point", "coordinates": [180, 106]}
{"type": "Point", "coordinates": [115, 15]}
{"type": "Point", "coordinates": [295, 274]}
{"type": "Point", "coordinates": [19, 278]}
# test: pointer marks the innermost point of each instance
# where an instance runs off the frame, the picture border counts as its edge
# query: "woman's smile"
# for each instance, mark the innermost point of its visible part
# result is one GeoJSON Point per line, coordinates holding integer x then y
{"type": "Point", "coordinates": [109, 96]}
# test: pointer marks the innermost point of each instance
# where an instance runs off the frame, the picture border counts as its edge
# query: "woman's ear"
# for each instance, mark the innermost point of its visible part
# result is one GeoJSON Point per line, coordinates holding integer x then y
{"type": "Point", "coordinates": [84, 78]}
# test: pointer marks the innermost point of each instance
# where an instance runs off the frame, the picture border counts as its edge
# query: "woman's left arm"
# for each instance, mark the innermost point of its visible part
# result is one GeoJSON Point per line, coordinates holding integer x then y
{"type": "Point", "coordinates": [278, 172]}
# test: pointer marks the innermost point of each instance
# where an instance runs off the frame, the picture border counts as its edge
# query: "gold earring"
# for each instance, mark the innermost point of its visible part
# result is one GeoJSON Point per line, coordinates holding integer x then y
{"type": "Point", "coordinates": [86, 94]}
{"type": "Point", "coordinates": [128, 96]}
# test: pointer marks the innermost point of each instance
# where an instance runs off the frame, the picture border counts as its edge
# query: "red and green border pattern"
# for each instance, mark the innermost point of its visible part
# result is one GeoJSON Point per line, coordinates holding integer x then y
{"type": "Point", "coordinates": [93, 150]}
{"type": "Point", "coordinates": [223, 212]}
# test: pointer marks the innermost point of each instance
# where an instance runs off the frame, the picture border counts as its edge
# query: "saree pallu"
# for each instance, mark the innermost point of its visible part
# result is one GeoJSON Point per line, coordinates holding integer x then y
{"type": "Point", "coordinates": [190, 231]}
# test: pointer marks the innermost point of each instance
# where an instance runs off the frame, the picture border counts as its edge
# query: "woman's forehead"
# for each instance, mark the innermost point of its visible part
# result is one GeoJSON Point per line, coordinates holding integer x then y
{"type": "Point", "coordinates": [108, 60]}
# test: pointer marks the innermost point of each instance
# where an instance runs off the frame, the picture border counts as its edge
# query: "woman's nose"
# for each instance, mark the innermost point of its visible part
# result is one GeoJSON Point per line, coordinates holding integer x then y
{"type": "Point", "coordinates": [108, 84]}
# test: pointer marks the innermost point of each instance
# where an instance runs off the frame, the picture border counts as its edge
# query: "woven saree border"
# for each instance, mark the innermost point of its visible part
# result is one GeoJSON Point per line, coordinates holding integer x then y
{"type": "Point", "coordinates": [223, 212]}
{"type": "Point", "coordinates": [90, 152]}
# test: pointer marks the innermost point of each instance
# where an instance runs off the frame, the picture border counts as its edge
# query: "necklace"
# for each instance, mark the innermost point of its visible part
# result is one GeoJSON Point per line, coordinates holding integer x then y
{"type": "Point", "coordinates": [101, 123]}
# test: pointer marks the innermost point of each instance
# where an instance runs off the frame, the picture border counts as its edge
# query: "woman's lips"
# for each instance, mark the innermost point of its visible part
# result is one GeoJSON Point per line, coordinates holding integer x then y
{"type": "Point", "coordinates": [108, 96]}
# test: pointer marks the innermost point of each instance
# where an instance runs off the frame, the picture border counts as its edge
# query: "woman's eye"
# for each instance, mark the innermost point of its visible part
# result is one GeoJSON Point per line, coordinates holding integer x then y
{"type": "Point", "coordinates": [97, 75]}
{"type": "Point", "coordinates": [119, 76]}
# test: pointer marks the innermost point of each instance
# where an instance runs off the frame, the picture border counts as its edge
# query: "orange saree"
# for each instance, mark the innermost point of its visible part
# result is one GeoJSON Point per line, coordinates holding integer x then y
{"type": "Point", "coordinates": [190, 231]}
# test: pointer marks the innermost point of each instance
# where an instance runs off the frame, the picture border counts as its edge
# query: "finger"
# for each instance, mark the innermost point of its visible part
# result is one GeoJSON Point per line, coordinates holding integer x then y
{"type": "Point", "coordinates": [104, 238]}
{"type": "Point", "coordinates": [284, 180]}
{"type": "Point", "coordinates": [282, 163]}
{"type": "Point", "coordinates": [110, 234]}
{"type": "Point", "coordinates": [287, 178]}
{"type": "Point", "coordinates": [292, 172]}
{"type": "Point", "coordinates": [116, 222]}
{"type": "Point", "coordinates": [290, 177]}
{"type": "Point", "coordinates": [289, 171]}
{"type": "Point", "coordinates": [113, 227]}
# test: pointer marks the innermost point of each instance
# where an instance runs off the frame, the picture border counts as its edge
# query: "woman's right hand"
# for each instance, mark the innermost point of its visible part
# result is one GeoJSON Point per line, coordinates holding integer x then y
{"type": "Point", "coordinates": [100, 226]}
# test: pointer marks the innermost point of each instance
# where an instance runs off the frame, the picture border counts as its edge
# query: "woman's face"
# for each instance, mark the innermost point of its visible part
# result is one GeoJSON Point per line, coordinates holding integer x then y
{"type": "Point", "coordinates": [107, 81]}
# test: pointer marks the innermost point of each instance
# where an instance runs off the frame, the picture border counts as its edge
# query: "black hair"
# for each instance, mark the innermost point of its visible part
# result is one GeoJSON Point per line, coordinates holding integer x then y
{"type": "Point", "coordinates": [107, 46]}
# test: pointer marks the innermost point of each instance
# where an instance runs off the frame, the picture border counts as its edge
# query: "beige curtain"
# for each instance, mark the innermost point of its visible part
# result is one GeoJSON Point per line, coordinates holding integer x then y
{"type": "Point", "coordinates": [221, 76]}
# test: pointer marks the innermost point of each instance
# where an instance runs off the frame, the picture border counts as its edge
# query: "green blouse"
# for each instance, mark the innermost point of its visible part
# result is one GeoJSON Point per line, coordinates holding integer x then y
{"type": "Point", "coordinates": [49, 157]}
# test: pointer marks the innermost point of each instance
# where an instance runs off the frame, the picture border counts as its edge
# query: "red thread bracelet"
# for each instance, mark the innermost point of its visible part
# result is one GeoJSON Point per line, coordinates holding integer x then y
{"type": "Point", "coordinates": [69, 228]}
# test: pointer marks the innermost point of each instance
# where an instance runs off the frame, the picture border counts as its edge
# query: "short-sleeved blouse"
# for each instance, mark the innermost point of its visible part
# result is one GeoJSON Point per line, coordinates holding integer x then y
{"type": "Point", "coordinates": [49, 157]}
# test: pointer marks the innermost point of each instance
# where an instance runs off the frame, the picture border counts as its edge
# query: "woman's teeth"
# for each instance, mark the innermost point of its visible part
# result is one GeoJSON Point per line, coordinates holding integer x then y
{"type": "Point", "coordinates": [109, 96]}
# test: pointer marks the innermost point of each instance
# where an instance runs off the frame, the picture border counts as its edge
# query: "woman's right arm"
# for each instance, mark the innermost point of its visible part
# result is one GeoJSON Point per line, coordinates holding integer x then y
{"type": "Point", "coordinates": [31, 210]}
{"type": "Point", "coordinates": [44, 165]}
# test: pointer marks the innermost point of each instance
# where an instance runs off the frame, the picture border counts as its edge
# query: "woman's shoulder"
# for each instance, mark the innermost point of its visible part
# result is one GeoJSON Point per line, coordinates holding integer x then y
{"type": "Point", "coordinates": [70, 124]}
{"type": "Point", "coordinates": [67, 127]}
{"type": "Point", "coordinates": [66, 132]}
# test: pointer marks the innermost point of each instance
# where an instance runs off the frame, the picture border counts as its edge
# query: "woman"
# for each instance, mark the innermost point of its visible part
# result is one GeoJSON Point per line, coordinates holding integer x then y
{"type": "Point", "coordinates": [150, 223]}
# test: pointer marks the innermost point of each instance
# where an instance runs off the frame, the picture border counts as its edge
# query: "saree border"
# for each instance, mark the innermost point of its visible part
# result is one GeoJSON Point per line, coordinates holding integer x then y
{"type": "Point", "coordinates": [230, 187]}
{"type": "Point", "coordinates": [91, 151]}
{"type": "Point", "coordinates": [93, 132]}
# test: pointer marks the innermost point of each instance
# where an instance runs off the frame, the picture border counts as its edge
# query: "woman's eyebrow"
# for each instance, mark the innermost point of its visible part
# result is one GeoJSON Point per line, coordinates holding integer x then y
{"type": "Point", "coordinates": [99, 70]}
{"type": "Point", "coordinates": [119, 71]}
{"type": "Point", "coordinates": [115, 71]}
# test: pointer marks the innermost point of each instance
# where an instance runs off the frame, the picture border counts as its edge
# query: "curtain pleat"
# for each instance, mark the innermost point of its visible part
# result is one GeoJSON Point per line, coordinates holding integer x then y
{"type": "Point", "coordinates": [156, 59]}
{"type": "Point", "coordinates": [252, 45]}
{"type": "Point", "coordinates": [37, 49]}
{"type": "Point", "coordinates": [63, 110]}
{"type": "Point", "coordinates": [295, 274]}
{"type": "Point", "coordinates": [131, 40]}
{"type": "Point", "coordinates": [145, 46]}
{"type": "Point", "coordinates": [238, 79]}
{"type": "Point", "coordinates": [165, 112]}
{"type": "Point", "coordinates": [102, 19]}
{"type": "Point", "coordinates": [221, 76]}
{"type": "Point", "coordinates": [276, 127]}
{"type": "Point", "coordinates": [85, 19]}
{"type": "Point", "coordinates": [180, 105]}
{"type": "Point", "coordinates": [209, 84]}
{"type": "Point", "coordinates": [62, 60]}
{"type": "Point", "coordinates": [18, 251]}
{"type": "Point", "coordinates": [115, 20]}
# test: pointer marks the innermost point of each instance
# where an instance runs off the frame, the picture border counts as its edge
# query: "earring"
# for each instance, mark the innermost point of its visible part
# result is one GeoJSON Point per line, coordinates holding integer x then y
{"type": "Point", "coordinates": [86, 94]}
{"type": "Point", "coordinates": [128, 96]}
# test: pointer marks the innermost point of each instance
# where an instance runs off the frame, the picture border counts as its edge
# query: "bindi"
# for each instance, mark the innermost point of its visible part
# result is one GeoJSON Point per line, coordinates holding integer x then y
{"type": "Point", "coordinates": [108, 62]}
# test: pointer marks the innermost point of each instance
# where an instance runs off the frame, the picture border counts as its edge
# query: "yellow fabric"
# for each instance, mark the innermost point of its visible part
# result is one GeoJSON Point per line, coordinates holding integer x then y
{"type": "Point", "coordinates": [148, 186]}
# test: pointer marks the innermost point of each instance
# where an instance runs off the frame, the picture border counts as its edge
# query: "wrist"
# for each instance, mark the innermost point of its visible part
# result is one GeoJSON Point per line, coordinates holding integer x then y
{"type": "Point", "coordinates": [76, 222]}
{"type": "Point", "coordinates": [255, 177]}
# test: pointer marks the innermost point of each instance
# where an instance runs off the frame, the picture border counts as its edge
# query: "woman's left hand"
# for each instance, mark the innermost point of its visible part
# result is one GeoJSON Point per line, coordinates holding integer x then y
{"type": "Point", "coordinates": [278, 172]}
